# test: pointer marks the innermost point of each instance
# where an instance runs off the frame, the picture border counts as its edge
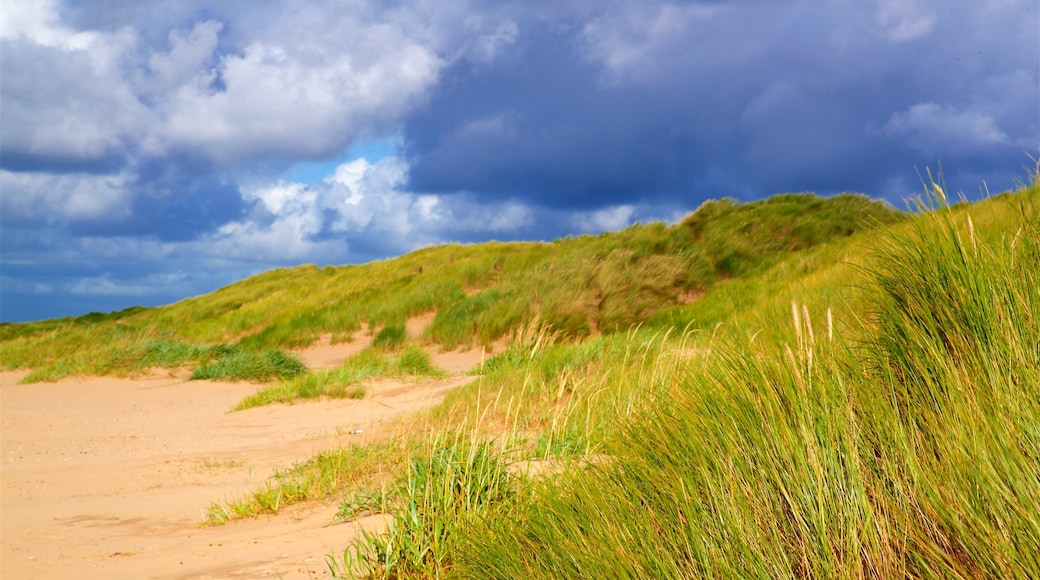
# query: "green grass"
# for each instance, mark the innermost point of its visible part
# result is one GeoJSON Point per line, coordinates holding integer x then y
{"type": "Point", "coordinates": [390, 337]}
{"type": "Point", "coordinates": [797, 387]}
{"type": "Point", "coordinates": [244, 365]}
{"type": "Point", "coordinates": [451, 483]}
{"type": "Point", "coordinates": [578, 286]}
{"type": "Point", "coordinates": [130, 353]}
{"type": "Point", "coordinates": [346, 381]}
{"type": "Point", "coordinates": [364, 501]}
{"type": "Point", "coordinates": [872, 415]}
{"type": "Point", "coordinates": [322, 477]}
{"type": "Point", "coordinates": [911, 454]}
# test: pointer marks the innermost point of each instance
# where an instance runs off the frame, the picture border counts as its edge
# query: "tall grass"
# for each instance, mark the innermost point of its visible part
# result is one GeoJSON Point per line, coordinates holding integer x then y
{"type": "Point", "coordinates": [909, 450]}
{"type": "Point", "coordinates": [134, 352]}
{"type": "Point", "coordinates": [390, 337]}
{"type": "Point", "coordinates": [739, 468]}
{"type": "Point", "coordinates": [958, 353]}
{"type": "Point", "coordinates": [456, 480]}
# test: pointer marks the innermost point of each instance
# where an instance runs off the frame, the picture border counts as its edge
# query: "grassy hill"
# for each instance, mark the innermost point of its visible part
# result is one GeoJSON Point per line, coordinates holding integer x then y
{"type": "Point", "coordinates": [578, 286]}
{"type": "Point", "coordinates": [797, 387]}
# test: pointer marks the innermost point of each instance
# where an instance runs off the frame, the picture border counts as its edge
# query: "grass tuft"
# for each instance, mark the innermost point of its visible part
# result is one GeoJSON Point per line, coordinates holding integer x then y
{"type": "Point", "coordinates": [244, 365]}
{"type": "Point", "coordinates": [346, 381]}
{"type": "Point", "coordinates": [445, 490]}
{"type": "Point", "coordinates": [321, 477]}
{"type": "Point", "coordinates": [390, 338]}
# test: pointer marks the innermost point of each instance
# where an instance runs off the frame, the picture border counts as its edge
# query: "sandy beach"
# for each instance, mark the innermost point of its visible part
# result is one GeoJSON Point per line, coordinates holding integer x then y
{"type": "Point", "coordinates": [108, 478]}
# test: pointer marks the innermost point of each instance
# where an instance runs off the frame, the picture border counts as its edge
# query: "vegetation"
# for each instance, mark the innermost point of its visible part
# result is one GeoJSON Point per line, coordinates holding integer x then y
{"type": "Point", "coordinates": [244, 365]}
{"type": "Point", "coordinates": [907, 447]}
{"type": "Point", "coordinates": [577, 286]}
{"type": "Point", "coordinates": [390, 337]}
{"type": "Point", "coordinates": [319, 477]}
{"type": "Point", "coordinates": [439, 496]}
{"type": "Point", "coordinates": [127, 355]}
{"type": "Point", "coordinates": [797, 387]}
{"type": "Point", "coordinates": [345, 381]}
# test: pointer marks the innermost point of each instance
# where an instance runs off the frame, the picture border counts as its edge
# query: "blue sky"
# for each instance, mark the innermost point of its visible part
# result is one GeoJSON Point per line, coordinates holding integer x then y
{"type": "Point", "coordinates": [151, 151]}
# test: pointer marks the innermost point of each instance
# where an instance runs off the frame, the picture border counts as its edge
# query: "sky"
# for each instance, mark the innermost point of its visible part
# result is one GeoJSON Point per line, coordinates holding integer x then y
{"type": "Point", "coordinates": [152, 151]}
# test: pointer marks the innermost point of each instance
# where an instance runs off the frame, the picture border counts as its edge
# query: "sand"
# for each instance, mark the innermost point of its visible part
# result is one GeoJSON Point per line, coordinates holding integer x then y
{"type": "Point", "coordinates": [108, 478]}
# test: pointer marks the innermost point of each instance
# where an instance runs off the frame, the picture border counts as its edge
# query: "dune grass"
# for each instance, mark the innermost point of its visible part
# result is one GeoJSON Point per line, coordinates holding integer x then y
{"type": "Point", "coordinates": [454, 479]}
{"type": "Point", "coordinates": [245, 365]}
{"type": "Point", "coordinates": [763, 390]}
{"type": "Point", "coordinates": [321, 477]}
{"type": "Point", "coordinates": [391, 337]}
{"type": "Point", "coordinates": [135, 353]}
{"type": "Point", "coordinates": [579, 286]}
{"type": "Point", "coordinates": [907, 448]}
{"type": "Point", "coordinates": [345, 381]}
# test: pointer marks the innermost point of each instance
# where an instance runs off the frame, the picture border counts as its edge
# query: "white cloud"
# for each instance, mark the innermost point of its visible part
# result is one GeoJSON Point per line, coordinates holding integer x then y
{"type": "Point", "coordinates": [64, 96]}
{"type": "Point", "coordinates": [360, 200]}
{"type": "Point", "coordinates": [190, 59]}
{"type": "Point", "coordinates": [604, 220]}
{"type": "Point", "coordinates": [626, 41]}
{"type": "Point", "coordinates": [296, 101]}
{"type": "Point", "coordinates": [428, 208]}
{"type": "Point", "coordinates": [350, 175]}
{"type": "Point", "coordinates": [361, 194]}
{"type": "Point", "coordinates": [275, 198]}
{"type": "Point", "coordinates": [904, 20]}
{"type": "Point", "coordinates": [300, 84]}
{"type": "Point", "coordinates": [934, 128]}
{"type": "Point", "coordinates": [506, 217]}
{"type": "Point", "coordinates": [39, 22]}
{"type": "Point", "coordinates": [48, 197]}
{"type": "Point", "coordinates": [490, 45]}
{"type": "Point", "coordinates": [286, 219]}
{"type": "Point", "coordinates": [362, 203]}
{"type": "Point", "coordinates": [150, 285]}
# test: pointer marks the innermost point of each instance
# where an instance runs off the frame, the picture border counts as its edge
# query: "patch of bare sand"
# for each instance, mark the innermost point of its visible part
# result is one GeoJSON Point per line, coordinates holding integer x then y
{"type": "Point", "coordinates": [107, 478]}
{"type": "Point", "coordinates": [325, 355]}
{"type": "Point", "coordinates": [459, 361]}
{"type": "Point", "coordinates": [417, 325]}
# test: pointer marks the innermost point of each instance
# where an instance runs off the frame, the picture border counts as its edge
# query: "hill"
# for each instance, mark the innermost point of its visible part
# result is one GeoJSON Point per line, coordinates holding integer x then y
{"type": "Point", "coordinates": [797, 387]}
{"type": "Point", "coordinates": [578, 287]}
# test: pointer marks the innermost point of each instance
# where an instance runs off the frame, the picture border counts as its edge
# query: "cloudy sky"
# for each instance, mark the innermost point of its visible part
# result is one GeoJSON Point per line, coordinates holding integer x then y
{"type": "Point", "coordinates": [151, 151]}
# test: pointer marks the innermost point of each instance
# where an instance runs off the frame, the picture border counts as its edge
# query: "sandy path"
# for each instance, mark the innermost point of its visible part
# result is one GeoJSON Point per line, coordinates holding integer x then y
{"type": "Point", "coordinates": [107, 478]}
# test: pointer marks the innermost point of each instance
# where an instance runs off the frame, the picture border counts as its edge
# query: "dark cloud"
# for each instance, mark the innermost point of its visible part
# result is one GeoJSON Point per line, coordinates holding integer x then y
{"type": "Point", "coordinates": [171, 205]}
{"type": "Point", "coordinates": [539, 126]}
{"type": "Point", "coordinates": [660, 101]}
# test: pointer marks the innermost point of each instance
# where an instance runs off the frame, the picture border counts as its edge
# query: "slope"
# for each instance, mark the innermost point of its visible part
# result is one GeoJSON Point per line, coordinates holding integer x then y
{"type": "Point", "coordinates": [578, 286]}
